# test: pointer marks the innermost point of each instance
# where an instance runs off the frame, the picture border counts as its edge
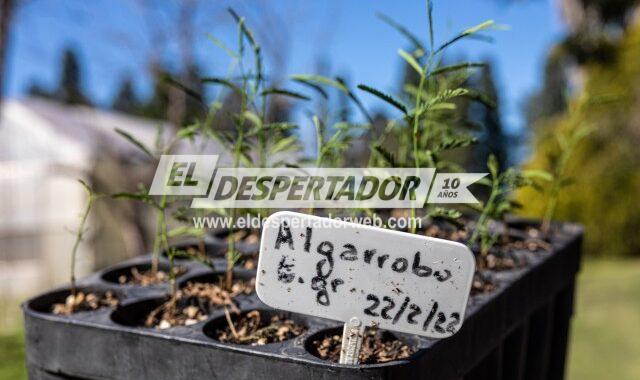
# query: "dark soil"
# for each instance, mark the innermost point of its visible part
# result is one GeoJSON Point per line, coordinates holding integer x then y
{"type": "Point", "coordinates": [532, 245]}
{"type": "Point", "coordinates": [215, 293]}
{"type": "Point", "coordinates": [481, 284]}
{"type": "Point", "coordinates": [448, 233]}
{"type": "Point", "coordinates": [194, 302]}
{"type": "Point", "coordinates": [251, 329]}
{"type": "Point", "coordinates": [502, 255]}
{"type": "Point", "coordinates": [499, 259]}
{"type": "Point", "coordinates": [533, 230]}
{"type": "Point", "coordinates": [377, 347]}
{"type": "Point", "coordinates": [531, 239]}
{"type": "Point", "coordinates": [250, 261]}
{"type": "Point", "coordinates": [84, 302]}
{"type": "Point", "coordinates": [148, 277]}
{"type": "Point", "coordinates": [178, 312]}
{"type": "Point", "coordinates": [192, 253]}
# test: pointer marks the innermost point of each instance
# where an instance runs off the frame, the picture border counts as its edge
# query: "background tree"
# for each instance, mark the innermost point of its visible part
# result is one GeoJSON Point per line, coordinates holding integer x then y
{"type": "Point", "coordinates": [126, 99]}
{"type": "Point", "coordinates": [483, 117]}
{"type": "Point", "coordinates": [69, 89]}
{"type": "Point", "coordinates": [604, 164]}
{"type": "Point", "coordinates": [492, 137]}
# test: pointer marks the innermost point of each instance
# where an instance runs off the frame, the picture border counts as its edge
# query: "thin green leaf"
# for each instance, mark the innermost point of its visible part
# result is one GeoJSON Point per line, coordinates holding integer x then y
{"type": "Point", "coordinates": [402, 30]}
{"type": "Point", "coordinates": [387, 98]}
{"type": "Point", "coordinates": [222, 46]}
{"type": "Point", "coordinates": [356, 100]}
{"type": "Point", "coordinates": [272, 128]}
{"type": "Point", "coordinates": [448, 94]}
{"type": "Point", "coordinates": [454, 142]}
{"type": "Point", "coordinates": [284, 126]}
{"type": "Point", "coordinates": [254, 45]}
{"type": "Point", "coordinates": [449, 215]}
{"type": "Point", "coordinates": [86, 187]}
{"type": "Point", "coordinates": [442, 106]}
{"type": "Point", "coordinates": [480, 98]}
{"type": "Point", "coordinates": [338, 83]}
{"type": "Point", "coordinates": [240, 20]}
{"type": "Point", "coordinates": [173, 82]}
{"type": "Point", "coordinates": [485, 181]}
{"type": "Point", "coordinates": [222, 82]}
{"type": "Point", "coordinates": [537, 174]}
{"type": "Point", "coordinates": [289, 93]}
{"type": "Point", "coordinates": [430, 22]}
{"type": "Point", "coordinates": [492, 165]}
{"type": "Point", "coordinates": [386, 156]}
{"type": "Point", "coordinates": [319, 79]}
{"type": "Point", "coordinates": [253, 118]}
{"type": "Point", "coordinates": [134, 141]}
{"type": "Point", "coordinates": [285, 144]}
{"type": "Point", "coordinates": [482, 26]}
{"type": "Point", "coordinates": [245, 160]}
{"type": "Point", "coordinates": [220, 137]}
{"type": "Point", "coordinates": [411, 61]}
{"type": "Point", "coordinates": [457, 67]}
{"type": "Point", "coordinates": [485, 25]}
{"type": "Point", "coordinates": [188, 132]}
{"type": "Point", "coordinates": [136, 197]}
{"type": "Point", "coordinates": [314, 87]}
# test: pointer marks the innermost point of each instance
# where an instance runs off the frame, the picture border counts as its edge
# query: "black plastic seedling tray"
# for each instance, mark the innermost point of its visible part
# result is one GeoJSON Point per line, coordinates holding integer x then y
{"type": "Point", "coordinates": [518, 331]}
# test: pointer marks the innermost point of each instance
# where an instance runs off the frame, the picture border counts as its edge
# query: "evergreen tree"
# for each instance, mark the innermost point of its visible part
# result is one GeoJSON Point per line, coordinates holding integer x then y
{"type": "Point", "coordinates": [70, 87]}
{"type": "Point", "coordinates": [126, 100]}
{"type": "Point", "coordinates": [170, 103]}
{"type": "Point", "coordinates": [156, 106]}
{"type": "Point", "coordinates": [493, 139]}
{"type": "Point", "coordinates": [69, 90]}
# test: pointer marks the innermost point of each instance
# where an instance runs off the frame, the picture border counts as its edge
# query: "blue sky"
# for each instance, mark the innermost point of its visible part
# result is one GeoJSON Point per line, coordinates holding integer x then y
{"type": "Point", "coordinates": [113, 40]}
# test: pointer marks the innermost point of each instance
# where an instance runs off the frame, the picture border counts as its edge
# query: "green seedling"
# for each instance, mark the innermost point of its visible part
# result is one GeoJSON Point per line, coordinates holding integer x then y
{"type": "Point", "coordinates": [499, 204]}
{"type": "Point", "coordinates": [253, 132]}
{"type": "Point", "coordinates": [164, 203]}
{"type": "Point", "coordinates": [80, 232]}
{"type": "Point", "coordinates": [567, 143]}
{"type": "Point", "coordinates": [429, 122]}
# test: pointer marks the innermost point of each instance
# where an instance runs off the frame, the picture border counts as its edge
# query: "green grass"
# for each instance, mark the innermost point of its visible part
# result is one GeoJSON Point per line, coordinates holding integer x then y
{"type": "Point", "coordinates": [605, 335]}
{"type": "Point", "coordinates": [12, 356]}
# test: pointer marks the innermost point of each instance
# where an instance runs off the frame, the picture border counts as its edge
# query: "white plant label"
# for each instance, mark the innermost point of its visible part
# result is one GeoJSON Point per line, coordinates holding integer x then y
{"type": "Point", "coordinates": [338, 270]}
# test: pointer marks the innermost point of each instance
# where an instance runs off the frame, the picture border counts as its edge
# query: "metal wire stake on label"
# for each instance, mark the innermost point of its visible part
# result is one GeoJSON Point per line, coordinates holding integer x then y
{"type": "Point", "coordinates": [352, 336]}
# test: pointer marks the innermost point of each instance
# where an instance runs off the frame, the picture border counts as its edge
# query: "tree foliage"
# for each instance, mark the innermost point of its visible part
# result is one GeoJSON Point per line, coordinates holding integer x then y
{"type": "Point", "coordinates": [604, 168]}
{"type": "Point", "coordinates": [70, 87]}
